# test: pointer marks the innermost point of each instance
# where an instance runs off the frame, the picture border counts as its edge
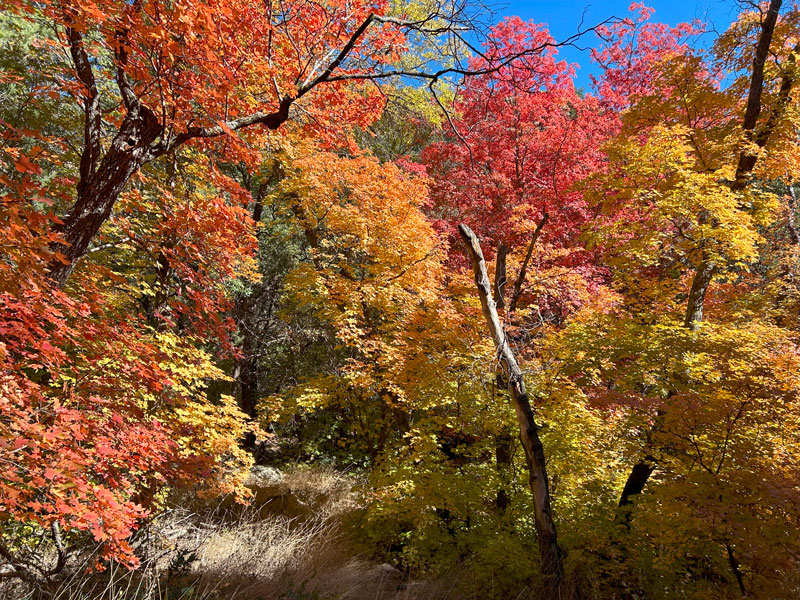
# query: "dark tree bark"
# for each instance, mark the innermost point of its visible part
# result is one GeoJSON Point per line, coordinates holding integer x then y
{"type": "Point", "coordinates": [246, 367]}
{"type": "Point", "coordinates": [140, 139]}
{"type": "Point", "coordinates": [503, 452]}
{"type": "Point", "coordinates": [100, 188]}
{"type": "Point", "coordinates": [754, 135]}
{"type": "Point", "coordinates": [697, 294]}
{"type": "Point", "coordinates": [737, 571]}
{"type": "Point", "coordinates": [248, 384]}
{"type": "Point", "coordinates": [550, 553]}
{"type": "Point", "coordinates": [638, 478]}
{"type": "Point", "coordinates": [747, 159]}
{"type": "Point", "coordinates": [634, 485]}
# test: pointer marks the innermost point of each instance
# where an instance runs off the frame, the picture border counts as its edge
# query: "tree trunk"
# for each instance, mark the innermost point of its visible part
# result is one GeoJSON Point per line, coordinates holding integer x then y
{"type": "Point", "coordinates": [550, 553]}
{"type": "Point", "coordinates": [747, 158]}
{"type": "Point", "coordinates": [639, 475]}
{"type": "Point", "coordinates": [524, 269]}
{"type": "Point", "coordinates": [791, 217]}
{"type": "Point", "coordinates": [500, 275]}
{"type": "Point", "coordinates": [98, 190]}
{"type": "Point", "coordinates": [697, 293]}
{"type": "Point", "coordinates": [503, 452]}
{"type": "Point", "coordinates": [248, 385]}
{"type": "Point", "coordinates": [737, 570]}
{"type": "Point", "coordinates": [634, 485]}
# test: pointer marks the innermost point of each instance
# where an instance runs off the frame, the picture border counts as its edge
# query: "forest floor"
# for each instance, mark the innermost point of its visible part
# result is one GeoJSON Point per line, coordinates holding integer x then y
{"type": "Point", "coordinates": [291, 542]}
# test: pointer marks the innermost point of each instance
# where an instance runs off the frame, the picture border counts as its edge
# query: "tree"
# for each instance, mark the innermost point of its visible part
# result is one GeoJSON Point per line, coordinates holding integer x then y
{"type": "Point", "coordinates": [371, 270]}
{"type": "Point", "coordinates": [509, 167]}
{"type": "Point", "coordinates": [522, 140]}
{"type": "Point", "coordinates": [551, 565]}
{"type": "Point", "coordinates": [701, 208]}
{"type": "Point", "coordinates": [104, 406]}
{"type": "Point", "coordinates": [167, 75]}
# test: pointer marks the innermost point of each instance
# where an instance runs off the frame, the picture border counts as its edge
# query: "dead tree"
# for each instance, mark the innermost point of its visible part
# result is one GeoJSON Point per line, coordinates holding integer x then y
{"type": "Point", "coordinates": [551, 564]}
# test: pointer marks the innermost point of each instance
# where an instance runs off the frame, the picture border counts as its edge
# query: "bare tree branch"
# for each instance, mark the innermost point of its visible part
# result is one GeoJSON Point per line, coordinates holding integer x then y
{"type": "Point", "coordinates": [524, 269]}
{"type": "Point", "coordinates": [493, 67]}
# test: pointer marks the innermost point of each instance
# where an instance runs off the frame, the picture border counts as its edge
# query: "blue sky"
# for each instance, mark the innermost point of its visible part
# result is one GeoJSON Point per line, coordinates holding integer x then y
{"type": "Point", "coordinates": [564, 16]}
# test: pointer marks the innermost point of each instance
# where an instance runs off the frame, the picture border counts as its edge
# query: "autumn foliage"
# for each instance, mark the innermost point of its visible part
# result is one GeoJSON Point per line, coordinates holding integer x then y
{"type": "Point", "coordinates": [233, 232]}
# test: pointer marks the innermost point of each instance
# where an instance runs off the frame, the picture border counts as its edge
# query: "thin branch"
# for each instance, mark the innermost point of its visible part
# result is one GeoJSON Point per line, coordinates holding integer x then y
{"type": "Point", "coordinates": [414, 264]}
{"type": "Point", "coordinates": [109, 245]}
{"type": "Point", "coordinates": [524, 270]}
{"type": "Point", "coordinates": [492, 68]}
{"type": "Point", "coordinates": [341, 56]}
{"type": "Point", "coordinates": [91, 107]}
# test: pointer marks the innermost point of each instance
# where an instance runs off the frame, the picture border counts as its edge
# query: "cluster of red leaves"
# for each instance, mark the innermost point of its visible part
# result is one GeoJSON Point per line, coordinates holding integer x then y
{"type": "Point", "coordinates": [81, 379]}
{"type": "Point", "coordinates": [202, 240]}
{"type": "Point", "coordinates": [523, 141]}
{"type": "Point", "coordinates": [633, 45]}
{"type": "Point", "coordinates": [68, 454]}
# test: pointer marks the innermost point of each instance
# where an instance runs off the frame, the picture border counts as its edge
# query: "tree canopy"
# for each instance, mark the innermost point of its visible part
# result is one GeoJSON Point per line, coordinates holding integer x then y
{"type": "Point", "coordinates": [554, 330]}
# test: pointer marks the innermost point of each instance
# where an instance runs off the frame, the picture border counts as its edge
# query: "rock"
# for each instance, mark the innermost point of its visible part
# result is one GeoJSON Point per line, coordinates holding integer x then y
{"type": "Point", "coordinates": [412, 590]}
{"type": "Point", "coordinates": [263, 477]}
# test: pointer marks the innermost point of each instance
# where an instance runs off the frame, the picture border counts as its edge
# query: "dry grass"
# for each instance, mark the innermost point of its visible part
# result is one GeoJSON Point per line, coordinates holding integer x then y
{"type": "Point", "coordinates": [287, 544]}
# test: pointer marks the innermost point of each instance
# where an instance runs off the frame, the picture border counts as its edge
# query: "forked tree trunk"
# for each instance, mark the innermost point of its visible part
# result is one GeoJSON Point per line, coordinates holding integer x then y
{"type": "Point", "coordinates": [99, 190]}
{"type": "Point", "coordinates": [550, 553]}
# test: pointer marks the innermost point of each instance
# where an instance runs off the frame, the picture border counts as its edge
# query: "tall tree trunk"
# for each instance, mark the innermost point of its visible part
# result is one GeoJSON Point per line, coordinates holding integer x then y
{"type": "Point", "coordinates": [550, 553]}
{"type": "Point", "coordinates": [503, 453]}
{"type": "Point", "coordinates": [748, 158]}
{"type": "Point", "coordinates": [248, 392]}
{"type": "Point", "coordinates": [246, 367]}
